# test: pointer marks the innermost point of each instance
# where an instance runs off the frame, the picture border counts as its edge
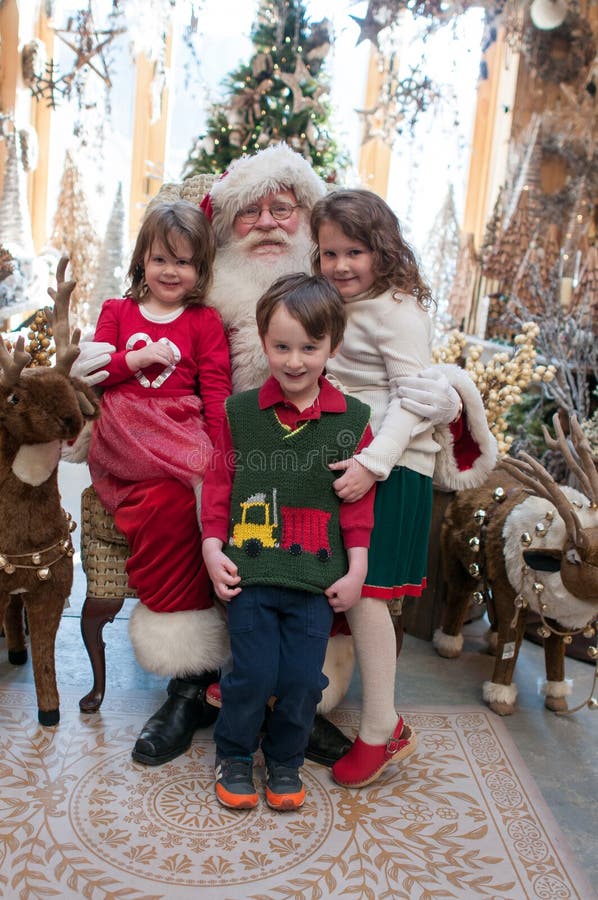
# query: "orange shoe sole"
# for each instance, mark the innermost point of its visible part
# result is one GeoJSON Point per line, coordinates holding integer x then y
{"type": "Point", "coordinates": [285, 801]}
{"type": "Point", "coordinates": [235, 801]}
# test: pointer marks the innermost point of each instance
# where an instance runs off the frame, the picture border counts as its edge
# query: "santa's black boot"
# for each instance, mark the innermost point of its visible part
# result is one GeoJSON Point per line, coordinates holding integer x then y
{"type": "Point", "coordinates": [327, 743]}
{"type": "Point", "coordinates": [170, 730]}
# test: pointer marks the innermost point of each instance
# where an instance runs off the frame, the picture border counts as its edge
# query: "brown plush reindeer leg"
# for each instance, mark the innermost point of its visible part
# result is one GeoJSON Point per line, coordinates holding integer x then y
{"type": "Point", "coordinates": [14, 630]}
{"type": "Point", "coordinates": [448, 639]}
{"type": "Point", "coordinates": [44, 613]}
{"type": "Point", "coordinates": [500, 693]}
{"type": "Point", "coordinates": [556, 688]}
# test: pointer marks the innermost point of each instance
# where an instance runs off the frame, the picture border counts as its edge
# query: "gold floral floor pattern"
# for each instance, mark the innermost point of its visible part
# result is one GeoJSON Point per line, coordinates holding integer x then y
{"type": "Point", "coordinates": [461, 818]}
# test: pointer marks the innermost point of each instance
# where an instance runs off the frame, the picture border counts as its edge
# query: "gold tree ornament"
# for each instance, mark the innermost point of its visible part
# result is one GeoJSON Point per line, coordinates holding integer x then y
{"type": "Point", "coordinates": [40, 346]}
{"type": "Point", "coordinates": [502, 380]}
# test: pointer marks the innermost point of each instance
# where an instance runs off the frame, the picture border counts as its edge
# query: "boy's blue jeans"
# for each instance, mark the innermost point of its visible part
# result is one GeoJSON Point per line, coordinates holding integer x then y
{"type": "Point", "coordinates": [278, 640]}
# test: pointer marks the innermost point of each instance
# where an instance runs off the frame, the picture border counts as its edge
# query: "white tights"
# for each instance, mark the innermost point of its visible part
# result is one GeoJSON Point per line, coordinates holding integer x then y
{"type": "Point", "coordinates": [376, 650]}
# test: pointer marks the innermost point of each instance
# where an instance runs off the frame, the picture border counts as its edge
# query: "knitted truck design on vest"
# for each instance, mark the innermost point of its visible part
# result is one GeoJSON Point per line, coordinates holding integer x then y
{"type": "Point", "coordinates": [302, 529]}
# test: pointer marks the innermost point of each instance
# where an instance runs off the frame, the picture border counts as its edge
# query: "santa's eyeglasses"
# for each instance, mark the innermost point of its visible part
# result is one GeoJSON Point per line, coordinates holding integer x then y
{"type": "Point", "coordinates": [279, 211]}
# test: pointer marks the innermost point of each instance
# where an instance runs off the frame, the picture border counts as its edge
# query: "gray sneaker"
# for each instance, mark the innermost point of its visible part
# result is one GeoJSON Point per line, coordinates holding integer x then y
{"type": "Point", "coordinates": [234, 782]}
{"type": "Point", "coordinates": [284, 788]}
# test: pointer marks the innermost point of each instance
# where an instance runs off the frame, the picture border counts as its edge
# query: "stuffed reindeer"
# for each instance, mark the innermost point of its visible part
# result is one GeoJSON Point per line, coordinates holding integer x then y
{"type": "Point", "coordinates": [522, 542]}
{"type": "Point", "coordinates": [39, 408]}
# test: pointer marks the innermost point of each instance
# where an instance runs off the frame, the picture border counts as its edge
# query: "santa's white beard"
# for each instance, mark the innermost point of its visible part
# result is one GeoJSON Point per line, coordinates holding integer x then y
{"type": "Point", "coordinates": [240, 279]}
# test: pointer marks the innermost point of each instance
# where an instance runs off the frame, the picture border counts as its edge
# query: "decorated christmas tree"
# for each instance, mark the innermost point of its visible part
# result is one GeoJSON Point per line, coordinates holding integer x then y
{"type": "Point", "coordinates": [276, 96]}
{"type": "Point", "coordinates": [74, 234]}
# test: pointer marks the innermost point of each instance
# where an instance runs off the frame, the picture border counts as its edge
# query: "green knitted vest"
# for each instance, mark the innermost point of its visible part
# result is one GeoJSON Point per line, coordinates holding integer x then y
{"type": "Point", "coordinates": [284, 512]}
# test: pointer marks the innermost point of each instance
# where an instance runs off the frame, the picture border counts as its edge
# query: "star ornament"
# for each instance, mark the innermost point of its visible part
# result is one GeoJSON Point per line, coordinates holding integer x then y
{"type": "Point", "coordinates": [294, 80]}
{"type": "Point", "coordinates": [376, 20]}
{"type": "Point", "coordinates": [88, 44]}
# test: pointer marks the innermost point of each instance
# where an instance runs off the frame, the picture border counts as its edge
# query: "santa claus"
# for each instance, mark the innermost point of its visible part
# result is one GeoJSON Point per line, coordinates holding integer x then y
{"type": "Point", "coordinates": [274, 191]}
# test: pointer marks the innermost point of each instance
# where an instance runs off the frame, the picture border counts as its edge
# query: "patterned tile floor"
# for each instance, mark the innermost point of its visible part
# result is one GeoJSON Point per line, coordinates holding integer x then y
{"type": "Point", "coordinates": [463, 818]}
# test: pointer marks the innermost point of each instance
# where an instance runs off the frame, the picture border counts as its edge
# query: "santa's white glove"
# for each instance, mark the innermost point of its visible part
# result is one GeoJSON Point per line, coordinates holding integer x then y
{"type": "Point", "coordinates": [88, 365]}
{"type": "Point", "coordinates": [429, 394]}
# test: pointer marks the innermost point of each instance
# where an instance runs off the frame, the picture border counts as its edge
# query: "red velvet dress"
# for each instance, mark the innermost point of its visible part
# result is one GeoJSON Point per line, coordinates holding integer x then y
{"type": "Point", "coordinates": [153, 443]}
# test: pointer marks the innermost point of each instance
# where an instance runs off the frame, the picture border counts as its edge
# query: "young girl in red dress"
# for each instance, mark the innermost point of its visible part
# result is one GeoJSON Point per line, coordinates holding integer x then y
{"type": "Point", "coordinates": [162, 407]}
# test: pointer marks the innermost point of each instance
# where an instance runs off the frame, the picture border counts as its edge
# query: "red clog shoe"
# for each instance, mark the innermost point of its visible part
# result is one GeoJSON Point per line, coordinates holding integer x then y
{"type": "Point", "coordinates": [365, 762]}
{"type": "Point", "coordinates": [213, 695]}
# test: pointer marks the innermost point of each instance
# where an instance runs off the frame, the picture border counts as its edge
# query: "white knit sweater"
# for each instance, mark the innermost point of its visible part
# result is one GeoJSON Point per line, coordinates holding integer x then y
{"type": "Point", "coordinates": [386, 338]}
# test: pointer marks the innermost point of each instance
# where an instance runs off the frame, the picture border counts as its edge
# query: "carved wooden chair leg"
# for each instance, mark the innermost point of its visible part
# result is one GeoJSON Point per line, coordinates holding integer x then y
{"type": "Point", "coordinates": [94, 615]}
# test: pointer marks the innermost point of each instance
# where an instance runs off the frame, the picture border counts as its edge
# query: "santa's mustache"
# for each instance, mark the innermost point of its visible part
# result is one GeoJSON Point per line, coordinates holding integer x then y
{"type": "Point", "coordinates": [275, 236]}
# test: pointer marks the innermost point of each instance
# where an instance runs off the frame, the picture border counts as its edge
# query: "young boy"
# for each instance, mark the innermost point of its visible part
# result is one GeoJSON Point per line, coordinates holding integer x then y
{"type": "Point", "coordinates": [281, 549]}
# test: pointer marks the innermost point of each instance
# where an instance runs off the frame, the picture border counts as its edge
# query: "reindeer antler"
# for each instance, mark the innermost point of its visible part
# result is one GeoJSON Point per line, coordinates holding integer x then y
{"type": "Point", "coordinates": [67, 345]}
{"type": "Point", "coordinates": [586, 472]}
{"type": "Point", "coordinates": [12, 366]}
{"type": "Point", "coordinates": [533, 475]}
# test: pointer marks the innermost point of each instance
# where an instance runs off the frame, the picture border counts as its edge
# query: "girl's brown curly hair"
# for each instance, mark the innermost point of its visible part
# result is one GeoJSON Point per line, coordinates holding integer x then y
{"type": "Point", "coordinates": [164, 222]}
{"type": "Point", "coordinates": [363, 216]}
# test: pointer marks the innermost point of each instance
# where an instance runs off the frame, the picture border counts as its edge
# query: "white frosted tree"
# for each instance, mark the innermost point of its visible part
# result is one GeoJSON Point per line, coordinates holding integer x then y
{"type": "Point", "coordinates": [441, 251]}
{"type": "Point", "coordinates": [15, 222]}
{"type": "Point", "coordinates": [110, 272]}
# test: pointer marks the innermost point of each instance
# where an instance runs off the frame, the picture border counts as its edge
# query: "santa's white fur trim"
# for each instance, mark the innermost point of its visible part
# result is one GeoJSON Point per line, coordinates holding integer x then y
{"type": "Point", "coordinates": [557, 688]}
{"type": "Point", "coordinates": [251, 177]}
{"type": "Point", "coordinates": [447, 645]}
{"type": "Point", "coordinates": [338, 668]}
{"type": "Point", "coordinates": [446, 472]}
{"type": "Point", "coordinates": [179, 644]}
{"type": "Point", "coordinates": [499, 693]}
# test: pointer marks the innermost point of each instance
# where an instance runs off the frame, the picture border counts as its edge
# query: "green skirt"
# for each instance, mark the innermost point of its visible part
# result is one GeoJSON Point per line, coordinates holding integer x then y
{"type": "Point", "coordinates": [399, 544]}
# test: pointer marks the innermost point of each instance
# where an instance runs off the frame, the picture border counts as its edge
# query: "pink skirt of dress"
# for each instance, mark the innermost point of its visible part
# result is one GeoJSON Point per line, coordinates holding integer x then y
{"type": "Point", "coordinates": [138, 440]}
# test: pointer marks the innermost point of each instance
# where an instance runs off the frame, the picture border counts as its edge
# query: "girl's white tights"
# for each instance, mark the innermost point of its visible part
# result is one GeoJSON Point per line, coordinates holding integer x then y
{"type": "Point", "coordinates": [376, 650]}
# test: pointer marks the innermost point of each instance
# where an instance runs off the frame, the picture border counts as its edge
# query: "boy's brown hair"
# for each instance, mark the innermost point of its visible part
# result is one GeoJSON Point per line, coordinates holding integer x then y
{"type": "Point", "coordinates": [311, 299]}
{"type": "Point", "coordinates": [162, 223]}
{"type": "Point", "coordinates": [365, 217]}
